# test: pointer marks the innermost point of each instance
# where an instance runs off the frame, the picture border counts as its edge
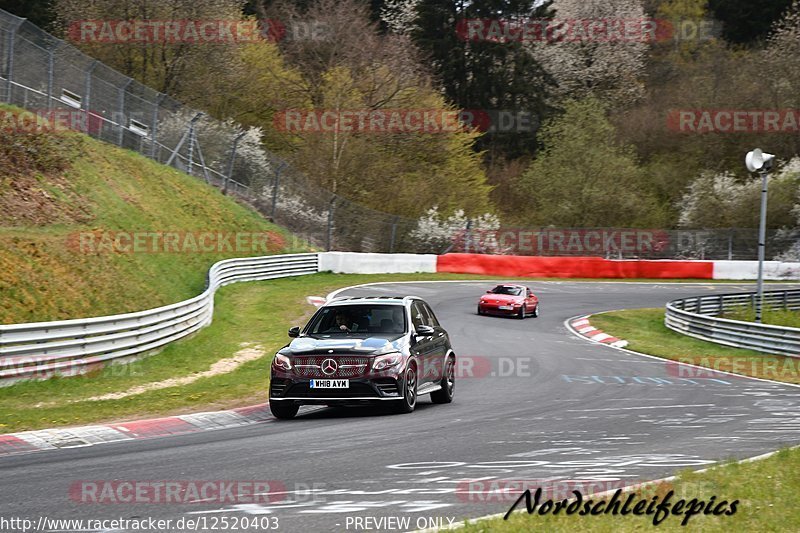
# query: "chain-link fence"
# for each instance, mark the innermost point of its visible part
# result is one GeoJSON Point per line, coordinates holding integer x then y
{"type": "Point", "coordinates": [44, 74]}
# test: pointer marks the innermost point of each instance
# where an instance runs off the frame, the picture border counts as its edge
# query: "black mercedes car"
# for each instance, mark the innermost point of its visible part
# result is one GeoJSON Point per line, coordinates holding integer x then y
{"type": "Point", "coordinates": [360, 350]}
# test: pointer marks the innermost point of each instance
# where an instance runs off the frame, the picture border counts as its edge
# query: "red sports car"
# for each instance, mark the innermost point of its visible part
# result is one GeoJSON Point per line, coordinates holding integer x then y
{"type": "Point", "coordinates": [509, 300]}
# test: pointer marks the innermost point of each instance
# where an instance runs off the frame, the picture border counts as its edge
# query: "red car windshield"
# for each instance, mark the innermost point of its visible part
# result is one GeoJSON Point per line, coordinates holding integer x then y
{"type": "Point", "coordinates": [502, 289]}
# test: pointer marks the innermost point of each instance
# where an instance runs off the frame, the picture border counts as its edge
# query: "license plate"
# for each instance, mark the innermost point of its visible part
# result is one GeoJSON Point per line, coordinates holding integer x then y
{"type": "Point", "coordinates": [330, 383]}
{"type": "Point", "coordinates": [505, 307]}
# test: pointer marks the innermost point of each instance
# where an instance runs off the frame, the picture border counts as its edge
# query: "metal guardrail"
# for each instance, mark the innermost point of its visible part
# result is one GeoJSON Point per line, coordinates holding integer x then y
{"type": "Point", "coordinates": [699, 317]}
{"type": "Point", "coordinates": [68, 347]}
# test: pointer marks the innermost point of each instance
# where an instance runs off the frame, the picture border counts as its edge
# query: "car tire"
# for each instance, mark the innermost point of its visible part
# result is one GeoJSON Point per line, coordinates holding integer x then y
{"type": "Point", "coordinates": [409, 399]}
{"type": "Point", "coordinates": [522, 312]}
{"type": "Point", "coordinates": [536, 311]}
{"type": "Point", "coordinates": [445, 394]}
{"type": "Point", "coordinates": [480, 312]}
{"type": "Point", "coordinates": [284, 410]}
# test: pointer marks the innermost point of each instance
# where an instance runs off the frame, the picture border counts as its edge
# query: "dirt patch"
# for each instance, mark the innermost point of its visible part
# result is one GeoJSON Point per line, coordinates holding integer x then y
{"type": "Point", "coordinates": [248, 352]}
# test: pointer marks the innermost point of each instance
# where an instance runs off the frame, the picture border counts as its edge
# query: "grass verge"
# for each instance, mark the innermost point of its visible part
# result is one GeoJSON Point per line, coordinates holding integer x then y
{"type": "Point", "coordinates": [254, 315]}
{"type": "Point", "coordinates": [768, 494]}
{"type": "Point", "coordinates": [645, 332]}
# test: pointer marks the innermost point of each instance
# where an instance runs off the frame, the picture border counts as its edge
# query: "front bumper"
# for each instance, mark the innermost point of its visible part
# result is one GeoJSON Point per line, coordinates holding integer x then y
{"type": "Point", "coordinates": [493, 309]}
{"type": "Point", "coordinates": [285, 387]}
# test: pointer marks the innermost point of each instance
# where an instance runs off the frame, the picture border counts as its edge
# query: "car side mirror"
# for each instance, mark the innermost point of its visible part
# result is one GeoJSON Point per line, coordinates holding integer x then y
{"type": "Point", "coordinates": [294, 331]}
{"type": "Point", "coordinates": [424, 331]}
{"type": "Point", "coordinates": [489, 291]}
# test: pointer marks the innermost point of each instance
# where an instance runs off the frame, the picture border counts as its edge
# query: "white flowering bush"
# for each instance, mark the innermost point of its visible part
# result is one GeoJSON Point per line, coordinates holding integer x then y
{"type": "Point", "coordinates": [723, 201]}
{"type": "Point", "coordinates": [436, 232]}
{"type": "Point", "coordinates": [252, 165]}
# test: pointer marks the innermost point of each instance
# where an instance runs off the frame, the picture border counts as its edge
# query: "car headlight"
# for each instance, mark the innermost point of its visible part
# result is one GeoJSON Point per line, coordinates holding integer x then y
{"type": "Point", "coordinates": [383, 362]}
{"type": "Point", "coordinates": [282, 362]}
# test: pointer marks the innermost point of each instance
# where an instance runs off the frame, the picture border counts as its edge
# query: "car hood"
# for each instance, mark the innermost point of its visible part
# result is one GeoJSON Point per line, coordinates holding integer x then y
{"type": "Point", "coordinates": [502, 298]}
{"type": "Point", "coordinates": [350, 345]}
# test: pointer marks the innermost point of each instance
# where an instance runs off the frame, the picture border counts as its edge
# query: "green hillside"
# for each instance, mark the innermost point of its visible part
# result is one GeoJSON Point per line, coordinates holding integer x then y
{"type": "Point", "coordinates": [65, 197]}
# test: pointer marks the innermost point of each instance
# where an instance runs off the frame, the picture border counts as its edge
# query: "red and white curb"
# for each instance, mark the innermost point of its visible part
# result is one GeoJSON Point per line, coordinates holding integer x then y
{"type": "Point", "coordinates": [585, 329]}
{"type": "Point", "coordinates": [76, 437]}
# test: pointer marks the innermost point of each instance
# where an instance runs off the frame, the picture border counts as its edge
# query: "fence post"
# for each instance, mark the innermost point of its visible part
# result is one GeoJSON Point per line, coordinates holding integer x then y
{"type": "Point", "coordinates": [329, 238]}
{"type": "Point", "coordinates": [12, 38]}
{"type": "Point", "coordinates": [229, 174]}
{"type": "Point", "coordinates": [87, 95]}
{"type": "Point", "coordinates": [275, 186]}
{"type": "Point", "coordinates": [154, 129]}
{"type": "Point", "coordinates": [191, 145]}
{"type": "Point", "coordinates": [394, 233]}
{"type": "Point", "coordinates": [730, 243]}
{"type": "Point", "coordinates": [467, 236]}
{"type": "Point", "coordinates": [50, 74]}
{"type": "Point", "coordinates": [121, 111]}
{"type": "Point", "coordinates": [178, 146]}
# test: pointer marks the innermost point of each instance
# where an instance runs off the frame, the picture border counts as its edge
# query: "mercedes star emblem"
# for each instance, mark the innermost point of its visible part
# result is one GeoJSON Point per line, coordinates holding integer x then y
{"type": "Point", "coordinates": [329, 366]}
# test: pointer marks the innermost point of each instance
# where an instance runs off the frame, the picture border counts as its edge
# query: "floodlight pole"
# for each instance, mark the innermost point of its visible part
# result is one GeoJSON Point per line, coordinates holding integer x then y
{"type": "Point", "coordinates": [762, 235]}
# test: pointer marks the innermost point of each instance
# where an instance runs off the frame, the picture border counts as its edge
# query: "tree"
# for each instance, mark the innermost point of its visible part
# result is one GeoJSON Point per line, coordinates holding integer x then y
{"type": "Point", "coordinates": [722, 201]}
{"type": "Point", "coordinates": [479, 74]}
{"type": "Point", "coordinates": [38, 12]}
{"type": "Point", "coordinates": [584, 177]}
{"type": "Point", "coordinates": [357, 68]}
{"type": "Point", "coordinates": [609, 70]}
{"type": "Point", "coordinates": [746, 21]}
{"type": "Point", "coordinates": [182, 69]}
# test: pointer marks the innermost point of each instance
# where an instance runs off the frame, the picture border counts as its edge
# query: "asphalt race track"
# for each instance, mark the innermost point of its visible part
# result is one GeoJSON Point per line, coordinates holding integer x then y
{"type": "Point", "coordinates": [540, 404]}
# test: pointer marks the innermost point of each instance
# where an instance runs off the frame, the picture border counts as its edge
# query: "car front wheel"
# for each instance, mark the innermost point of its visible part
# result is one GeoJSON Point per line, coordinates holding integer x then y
{"type": "Point", "coordinates": [283, 410]}
{"type": "Point", "coordinates": [445, 394]}
{"type": "Point", "coordinates": [409, 400]}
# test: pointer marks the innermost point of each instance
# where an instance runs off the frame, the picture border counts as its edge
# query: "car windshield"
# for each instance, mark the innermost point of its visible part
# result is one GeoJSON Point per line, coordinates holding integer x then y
{"type": "Point", "coordinates": [504, 289]}
{"type": "Point", "coordinates": [358, 320]}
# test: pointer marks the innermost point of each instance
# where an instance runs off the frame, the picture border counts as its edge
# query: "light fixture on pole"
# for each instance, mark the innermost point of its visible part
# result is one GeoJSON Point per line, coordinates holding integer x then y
{"type": "Point", "coordinates": [758, 161]}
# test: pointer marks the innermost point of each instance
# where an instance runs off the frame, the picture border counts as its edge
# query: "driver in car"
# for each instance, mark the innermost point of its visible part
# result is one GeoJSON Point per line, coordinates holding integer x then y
{"type": "Point", "coordinates": [343, 322]}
